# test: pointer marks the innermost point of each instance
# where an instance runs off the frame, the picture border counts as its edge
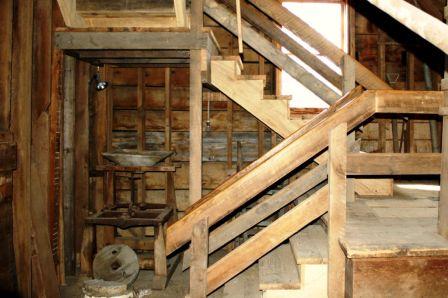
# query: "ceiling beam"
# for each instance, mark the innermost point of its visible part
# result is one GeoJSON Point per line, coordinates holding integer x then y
{"type": "Point", "coordinates": [70, 15]}
{"type": "Point", "coordinates": [71, 40]}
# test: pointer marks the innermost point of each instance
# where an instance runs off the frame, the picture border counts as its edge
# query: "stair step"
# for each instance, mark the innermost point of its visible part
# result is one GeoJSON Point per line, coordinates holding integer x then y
{"type": "Point", "coordinates": [252, 77]}
{"type": "Point", "coordinates": [310, 245]}
{"type": "Point", "coordinates": [278, 270]}
{"type": "Point", "coordinates": [277, 97]}
{"type": "Point", "coordinates": [237, 59]}
{"type": "Point", "coordinates": [244, 285]}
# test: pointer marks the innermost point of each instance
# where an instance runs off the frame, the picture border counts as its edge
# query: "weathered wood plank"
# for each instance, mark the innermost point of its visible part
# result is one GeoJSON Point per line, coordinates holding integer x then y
{"type": "Point", "coordinates": [199, 262]}
{"type": "Point", "coordinates": [397, 277]}
{"type": "Point", "coordinates": [429, 28]}
{"type": "Point", "coordinates": [405, 102]}
{"type": "Point", "coordinates": [393, 164]}
{"type": "Point", "coordinates": [6, 16]}
{"type": "Point", "coordinates": [21, 83]}
{"type": "Point", "coordinates": [443, 201]}
{"type": "Point", "coordinates": [278, 271]}
{"type": "Point", "coordinates": [130, 40]}
{"type": "Point", "coordinates": [310, 245]}
{"type": "Point", "coordinates": [8, 157]}
{"type": "Point", "coordinates": [337, 181]}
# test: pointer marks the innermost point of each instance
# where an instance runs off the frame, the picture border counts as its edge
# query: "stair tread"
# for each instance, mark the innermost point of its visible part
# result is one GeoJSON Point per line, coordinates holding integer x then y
{"type": "Point", "coordinates": [278, 270]}
{"type": "Point", "coordinates": [237, 59]}
{"type": "Point", "coordinates": [277, 97]}
{"type": "Point", "coordinates": [310, 245]}
{"type": "Point", "coordinates": [244, 285]}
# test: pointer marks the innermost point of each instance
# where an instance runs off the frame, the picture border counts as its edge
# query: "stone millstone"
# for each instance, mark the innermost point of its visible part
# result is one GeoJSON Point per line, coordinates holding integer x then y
{"type": "Point", "coordinates": [101, 288]}
{"type": "Point", "coordinates": [117, 262]}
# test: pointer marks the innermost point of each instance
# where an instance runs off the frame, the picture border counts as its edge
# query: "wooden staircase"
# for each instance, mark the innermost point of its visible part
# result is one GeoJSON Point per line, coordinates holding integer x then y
{"type": "Point", "coordinates": [248, 92]}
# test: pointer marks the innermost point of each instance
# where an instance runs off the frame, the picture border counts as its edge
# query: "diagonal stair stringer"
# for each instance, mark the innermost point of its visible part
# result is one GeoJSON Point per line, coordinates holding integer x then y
{"type": "Point", "coordinates": [295, 150]}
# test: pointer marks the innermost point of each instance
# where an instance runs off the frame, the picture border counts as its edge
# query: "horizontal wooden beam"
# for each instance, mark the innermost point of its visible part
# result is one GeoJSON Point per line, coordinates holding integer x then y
{"type": "Point", "coordinates": [150, 54]}
{"type": "Point", "coordinates": [383, 164]}
{"type": "Point", "coordinates": [408, 102]}
{"type": "Point", "coordinates": [100, 40]}
{"type": "Point", "coordinates": [140, 61]}
{"type": "Point", "coordinates": [8, 157]}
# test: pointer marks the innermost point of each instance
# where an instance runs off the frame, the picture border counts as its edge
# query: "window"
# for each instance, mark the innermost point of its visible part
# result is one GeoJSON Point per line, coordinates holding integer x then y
{"type": "Point", "coordinates": [326, 18]}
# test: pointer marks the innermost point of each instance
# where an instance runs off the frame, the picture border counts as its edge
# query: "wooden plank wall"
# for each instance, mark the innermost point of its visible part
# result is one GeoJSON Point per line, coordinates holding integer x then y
{"type": "Point", "coordinates": [402, 50]}
{"type": "Point", "coordinates": [244, 128]}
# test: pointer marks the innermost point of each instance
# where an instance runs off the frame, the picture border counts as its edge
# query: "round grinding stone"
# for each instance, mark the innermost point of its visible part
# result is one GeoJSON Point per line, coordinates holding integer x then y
{"type": "Point", "coordinates": [117, 262]}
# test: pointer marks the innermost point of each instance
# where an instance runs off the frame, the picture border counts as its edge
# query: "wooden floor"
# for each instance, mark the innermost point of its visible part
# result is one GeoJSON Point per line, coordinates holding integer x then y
{"type": "Point", "coordinates": [404, 225]}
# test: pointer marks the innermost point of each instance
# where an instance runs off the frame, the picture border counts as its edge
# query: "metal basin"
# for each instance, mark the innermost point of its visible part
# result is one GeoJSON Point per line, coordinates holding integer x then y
{"type": "Point", "coordinates": [136, 159]}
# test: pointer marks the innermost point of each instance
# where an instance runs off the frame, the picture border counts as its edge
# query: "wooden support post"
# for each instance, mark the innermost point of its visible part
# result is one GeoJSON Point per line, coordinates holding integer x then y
{"type": "Point", "coordinates": [238, 25]}
{"type": "Point", "coordinates": [229, 135]}
{"type": "Point", "coordinates": [349, 83]}
{"type": "Point", "coordinates": [195, 172]}
{"type": "Point", "coordinates": [337, 181]}
{"type": "Point", "coordinates": [382, 75]}
{"type": "Point", "coordinates": [69, 163]}
{"type": "Point", "coordinates": [199, 261]}
{"type": "Point", "coordinates": [81, 150]}
{"type": "Point", "coordinates": [21, 78]}
{"type": "Point", "coordinates": [261, 126]}
{"type": "Point", "coordinates": [160, 262]}
{"type": "Point", "coordinates": [443, 201]}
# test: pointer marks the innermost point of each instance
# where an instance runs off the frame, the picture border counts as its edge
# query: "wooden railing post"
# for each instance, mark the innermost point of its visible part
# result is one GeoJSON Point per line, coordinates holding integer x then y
{"type": "Point", "coordinates": [337, 182]}
{"type": "Point", "coordinates": [199, 261]}
{"type": "Point", "coordinates": [349, 83]}
{"type": "Point", "coordinates": [443, 200]}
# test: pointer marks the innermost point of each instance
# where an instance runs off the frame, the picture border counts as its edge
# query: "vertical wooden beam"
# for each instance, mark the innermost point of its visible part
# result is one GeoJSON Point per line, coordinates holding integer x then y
{"type": "Point", "coordinates": [199, 261]}
{"type": "Point", "coordinates": [382, 75]}
{"type": "Point", "coordinates": [229, 134]}
{"type": "Point", "coordinates": [160, 263]}
{"type": "Point", "coordinates": [180, 8]}
{"type": "Point", "coordinates": [140, 112]}
{"type": "Point", "coordinates": [168, 109]}
{"type": "Point", "coordinates": [261, 126]}
{"type": "Point", "coordinates": [6, 15]}
{"type": "Point", "coordinates": [195, 171]}
{"type": "Point", "coordinates": [443, 200]}
{"type": "Point", "coordinates": [337, 181]}
{"type": "Point", "coordinates": [410, 82]}
{"type": "Point", "coordinates": [348, 83]}
{"type": "Point", "coordinates": [21, 127]}
{"type": "Point", "coordinates": [69, 162]}
{"type": "Point", "coordinates": [40, 157]}
{"type": "Point", "coordinates": [351, 29]}
{"type": "Point", "coordinates": [239, 27]}
{"type": "Point", "coordinates": [81, 150]}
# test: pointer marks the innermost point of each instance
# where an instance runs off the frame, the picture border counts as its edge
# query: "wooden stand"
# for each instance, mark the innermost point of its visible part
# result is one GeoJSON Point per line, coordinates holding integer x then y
{"type": "Point", "coordinates": [134, 214]}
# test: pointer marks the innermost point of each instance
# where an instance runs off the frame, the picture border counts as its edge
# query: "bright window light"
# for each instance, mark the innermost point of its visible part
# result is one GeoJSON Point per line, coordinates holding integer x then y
{"type": "Point", "coordinates": [326, 19]}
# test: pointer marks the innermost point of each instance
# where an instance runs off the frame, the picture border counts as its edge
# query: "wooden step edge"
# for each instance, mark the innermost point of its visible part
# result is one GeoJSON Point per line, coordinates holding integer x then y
{"type": "Point", "coordinates": [304, 113]}
{"type": "Point", "coordinates": [278, 270]}
{"type": "Point", "coordinates": [237, 59]}
{"type": "Point", "coordinates": [277, 97]}
{"type": "Point", "coordinates": [252, 77]}
{"type": "Point", "coordinates": [310, 245]}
